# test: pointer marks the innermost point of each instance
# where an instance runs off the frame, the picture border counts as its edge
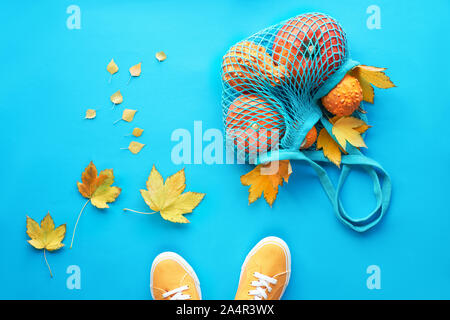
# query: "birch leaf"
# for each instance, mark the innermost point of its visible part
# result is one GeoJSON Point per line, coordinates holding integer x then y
{"type": "Point", "coordinates": [90, 114]}
{"type": "Point", "coordinates": [135, 70]}
{"type": "Point", "coordinates": [112, 67]}
{"type": "Point", "coordinates": [117, 98]}
{"type": "Point", "coordinates": [161, 56]}
{"type": "Point", "coordinates": [135, 147]}
{"type": "Point", "coordinates": [137, 132]}
{"type": "Point", "coordinates": [128, 115]}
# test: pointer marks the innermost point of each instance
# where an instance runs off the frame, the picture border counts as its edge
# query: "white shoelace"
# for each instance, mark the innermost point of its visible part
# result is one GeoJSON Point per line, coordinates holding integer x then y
{"type": "Point", "coordinates": [177, 294]}
{"type": "Point", "coordinates": [261, 285]}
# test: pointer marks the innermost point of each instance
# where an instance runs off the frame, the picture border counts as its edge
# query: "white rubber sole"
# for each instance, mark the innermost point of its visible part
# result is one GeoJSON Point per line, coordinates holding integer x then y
{"type": "Point", "coordinates": [186, 266]}
{"type": "Point", "coordinates": [279, 242]}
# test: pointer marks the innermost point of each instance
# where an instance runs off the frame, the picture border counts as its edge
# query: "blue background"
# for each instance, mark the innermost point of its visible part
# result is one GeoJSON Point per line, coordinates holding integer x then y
{"type": "Point", "coordinates": [50, 75]}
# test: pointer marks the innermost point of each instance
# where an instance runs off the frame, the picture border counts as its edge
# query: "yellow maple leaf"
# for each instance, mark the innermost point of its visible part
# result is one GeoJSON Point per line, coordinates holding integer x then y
{"type": "Point", "coordinates": [112, 67]}
{"type": "Point", "coordinates": [361, 129]}
{"type": "Point", "coordinates": [331, 149]}
{"type": "Point", "coordinates": [135, 70]}
{"type": "Point", "coordinates": [45, 236]}
{"type": "Point", "coordinates": [97, 189]}
{"type": "Point", "coordinates": [265, 179]}
{"type": "Point", "coordinates": [168, 198]}
{"type": "Point", "coordinates": [368, 76]}
{"type": "Point", "coordinates": [344, 131]}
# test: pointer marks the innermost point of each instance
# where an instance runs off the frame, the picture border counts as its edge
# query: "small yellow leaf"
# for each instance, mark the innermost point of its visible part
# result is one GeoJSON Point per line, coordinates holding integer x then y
{"type": "Point", "coordinates": [137, 132]}
{"type": "Point", "coordinates": [344, 130]}
{"type": "Point", "coordinates": [112, 67]}
{"type": "Point", "coordinates": [90, 114]}
{"type": "Point", "coordinates": [265, 179]}
{"type": "Point", "coordinates": [331, 149]}
{"type": "Point", "coordinates": [135, 70]}
{"type": "Point", "coordinates": [368, 76]}
{"type": "Point", "coordinates": [117, 98]}
{"type": "Point", "coordinates": [135, 147]}
{"type": "Point", "coordinates": [128, 115]}
{"type": "Point", "coordinates": [161, 56]}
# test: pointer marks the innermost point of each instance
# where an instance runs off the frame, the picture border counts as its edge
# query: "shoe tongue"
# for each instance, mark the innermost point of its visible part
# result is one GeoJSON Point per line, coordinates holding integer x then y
{"type": "Point", "coordinates": [263, 269]}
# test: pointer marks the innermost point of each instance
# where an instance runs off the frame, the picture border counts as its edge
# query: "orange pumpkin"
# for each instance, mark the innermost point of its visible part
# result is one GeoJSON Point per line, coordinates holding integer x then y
{"type": "Point", "coordinates": [345, 98]}
{"type": "Point", "coordinates": [246, 63]}
{"type": "Point", "coordinates": [254, 123]}
{"type": "Point", "coordinates": [310, 138]}
{"type": "Point", "coordinates": [310, 44]}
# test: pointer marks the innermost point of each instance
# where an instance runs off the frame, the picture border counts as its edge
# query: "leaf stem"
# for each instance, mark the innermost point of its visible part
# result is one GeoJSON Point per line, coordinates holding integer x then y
{"type": "Point", "coordinates": [79, 215]}
{"type": "Point", "coordinates": [48, 266]}
{"type": "Point", "coordinates": [126, 209]}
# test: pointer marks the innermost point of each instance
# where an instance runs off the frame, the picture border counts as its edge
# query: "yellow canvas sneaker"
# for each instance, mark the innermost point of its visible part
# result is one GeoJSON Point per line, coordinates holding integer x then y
{"type": "Point", "coordinates": [266, 271]}
{"type": "Point", "coordinates": [172, 278]}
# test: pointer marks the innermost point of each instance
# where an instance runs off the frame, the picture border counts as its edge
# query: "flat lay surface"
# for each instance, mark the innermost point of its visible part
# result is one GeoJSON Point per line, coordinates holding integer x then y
{"type": "Point", "coordinates": [52, 74]}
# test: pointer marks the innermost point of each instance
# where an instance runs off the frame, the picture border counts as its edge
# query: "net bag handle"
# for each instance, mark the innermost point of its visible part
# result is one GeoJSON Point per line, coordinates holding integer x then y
{"type": "Point", "coordinates": [382, 191]}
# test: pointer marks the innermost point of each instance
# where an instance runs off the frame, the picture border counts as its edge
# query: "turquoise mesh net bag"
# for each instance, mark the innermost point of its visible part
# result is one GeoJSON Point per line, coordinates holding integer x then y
{"type": "Point", "coordinates": [272, 85]}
